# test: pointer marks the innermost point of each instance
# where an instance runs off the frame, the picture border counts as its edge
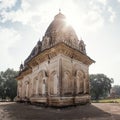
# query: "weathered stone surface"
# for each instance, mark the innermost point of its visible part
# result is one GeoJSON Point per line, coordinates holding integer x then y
{"type": "Point", "coordinates": [56, 72]}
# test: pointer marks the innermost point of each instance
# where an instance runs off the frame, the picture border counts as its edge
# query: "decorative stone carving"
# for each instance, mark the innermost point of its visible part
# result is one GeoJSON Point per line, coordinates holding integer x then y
{"type": "Point", "coordinates": [23, 89]}
{"type": "Point", "coordinates": [42, 82]}
{"type": "Point", "coordinates": [35, 86]}
{"type": "Point", "coordinates": [34, 52]}
{"type": "Point", "coordinates": [79, 81]}
{"type": "Point", "coordinates": [55, 72]}
{"type": "Point", "coordinates": [19, 91]}
{"type": "Point", "coordinates": [30, 88]}
{"type": "Point", "coordinates": [87, 84]}
{"type": "Point", "coordinates": [46, 42]}
{"type": "Point", "coordinates": [53, 83]}
{"type": "Point", "coordinates": [21, 67]}
{"type": "Point", "coordinates": [27, 88]}
{"type": "Point", "coordinates": [67, 83]}
{"type": "Point", "coordinates": [82, 47]}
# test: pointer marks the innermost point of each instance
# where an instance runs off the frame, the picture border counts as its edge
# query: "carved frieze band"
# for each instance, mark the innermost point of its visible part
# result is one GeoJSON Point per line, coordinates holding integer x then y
{"type": "Point", "coordinates": [60, 48]}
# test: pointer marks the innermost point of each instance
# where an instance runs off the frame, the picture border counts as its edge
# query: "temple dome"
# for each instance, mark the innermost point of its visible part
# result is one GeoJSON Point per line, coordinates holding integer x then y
{"type": "Point", "coordinates": [60, 31]}
{"type": "Point", "coordinates": [59, 16]}
{"type": "Point", "coordinates": [56, 25]}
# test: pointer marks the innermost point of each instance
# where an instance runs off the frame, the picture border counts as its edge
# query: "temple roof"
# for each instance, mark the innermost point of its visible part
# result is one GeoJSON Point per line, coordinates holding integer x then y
{"type": "Point", "coordinates": [60, 29]}
{"type": "Point", "coordinates": [56, 24]}
{"type": "Point", "coordinates": [57, 32]}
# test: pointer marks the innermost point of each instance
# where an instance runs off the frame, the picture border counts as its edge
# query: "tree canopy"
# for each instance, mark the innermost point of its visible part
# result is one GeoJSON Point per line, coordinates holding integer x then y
{"type": "Point", "coordinates": [8, 84]}
{"type": "Point", "coordinates": [100, 85]}
{"type": "Point", "coordinates": [116, 90]}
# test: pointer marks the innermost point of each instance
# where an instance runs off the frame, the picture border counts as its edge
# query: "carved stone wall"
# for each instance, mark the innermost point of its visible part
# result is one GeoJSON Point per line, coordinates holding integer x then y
{"type": "Point", "coordinates": [56, 71]}
{"type": "Point", "coordinates": [74, 76]}
{"type": "Point", "coordinates": [60, 76]}
{"type": "Point", "coordinates": [19, 89]}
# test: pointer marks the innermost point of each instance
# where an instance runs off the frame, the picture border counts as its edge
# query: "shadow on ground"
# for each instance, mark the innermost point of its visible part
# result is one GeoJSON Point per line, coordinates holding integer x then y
{"type": "Point", "coordinates": [22, 111]}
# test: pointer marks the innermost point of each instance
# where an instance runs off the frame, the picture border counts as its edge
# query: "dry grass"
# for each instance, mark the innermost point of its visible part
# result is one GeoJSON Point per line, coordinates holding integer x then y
{"type": "Point", "coordinates": [107, 101]}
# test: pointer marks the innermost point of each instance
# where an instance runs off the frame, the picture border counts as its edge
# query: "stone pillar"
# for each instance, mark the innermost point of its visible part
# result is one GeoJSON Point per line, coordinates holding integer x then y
{"type": "Point", "coordinates": [34, 86]}
{"type": "Point", "coordinates": [18, 89]}
{"type": "Point", "coordinates": [44, 87]}
{"type": "Point", "coordinates": [23, 89]}
{"type": "Point", "coordinates": [77, 85]}
{"type": "Point", "coordinates": [82, 83]}
{"type": "Point", "coordinates": [85, 86]}
{"type": "Point", "coordinates": [20, 92]}
{"type": "Point", "coordinates": [60, 76]}
{"type": "Point", "coordinates": [74, 81]}
{"type": "Point", "coordinates": [30, 89]}
{"type": "Point", "coordinates": [27, 85]}
{"type": "Point", "coordinates": [37, 86]}
{"type": "Point", "coordinates": [55, 84]}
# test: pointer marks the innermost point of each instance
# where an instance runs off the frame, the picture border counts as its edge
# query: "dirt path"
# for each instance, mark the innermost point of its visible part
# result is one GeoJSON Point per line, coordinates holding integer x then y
{"type": "Point", "coordinates": [112, 108]}
{"type": "Point", "coordinates": [96, 111]}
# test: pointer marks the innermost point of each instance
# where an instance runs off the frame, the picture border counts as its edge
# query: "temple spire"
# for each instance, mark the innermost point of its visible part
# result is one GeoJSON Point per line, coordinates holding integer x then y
{"type": "Point", "coordinates": [59, 10]}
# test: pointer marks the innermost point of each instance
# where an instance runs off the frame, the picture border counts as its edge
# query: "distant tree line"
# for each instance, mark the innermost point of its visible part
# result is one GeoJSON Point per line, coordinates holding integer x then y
{"type": "Point", "coordinates": [100, 86]}
{"type": "Point", "coordinates": [8, 84]}
{"type": "Point", "coordinates": [115, 91]}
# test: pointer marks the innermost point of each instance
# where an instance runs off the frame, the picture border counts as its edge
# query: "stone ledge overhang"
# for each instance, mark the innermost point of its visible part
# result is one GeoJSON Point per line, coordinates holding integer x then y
{"type": "Point", "coordinates": [47, 54]}
{"type": "Point", "coordinates": [23, 73]}
{"type": "Point", "coordinates": [60, 48]}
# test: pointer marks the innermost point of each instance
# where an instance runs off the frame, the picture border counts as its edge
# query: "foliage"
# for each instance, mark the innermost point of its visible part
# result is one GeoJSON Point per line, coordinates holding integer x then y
{"type": "Point", "coordinates": [8, 84]}
{"type": "Point", "coordinates": [116, 89]}
{"type": "Point", "coordinates": [107, 101]}
{"type": "Point", "coordinates": [100, 86]}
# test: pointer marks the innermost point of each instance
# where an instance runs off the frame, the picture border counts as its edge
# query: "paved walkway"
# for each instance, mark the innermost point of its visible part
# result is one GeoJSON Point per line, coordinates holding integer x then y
{"type": "Point", "coordinates": [96, 111]}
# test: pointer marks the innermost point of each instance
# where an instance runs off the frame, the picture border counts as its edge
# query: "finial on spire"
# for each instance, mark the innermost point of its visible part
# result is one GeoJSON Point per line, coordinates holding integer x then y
{"type": "Point", "coordinates": [21, 67]}
{"type": "Point", "coordinates": [59, 10]}
{"type": "Point", "coordinates": [81, 38]}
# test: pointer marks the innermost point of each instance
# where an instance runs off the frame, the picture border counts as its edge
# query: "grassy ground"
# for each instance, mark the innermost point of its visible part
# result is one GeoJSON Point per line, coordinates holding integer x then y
{"type": "Point", "coordinates": [107, 101]}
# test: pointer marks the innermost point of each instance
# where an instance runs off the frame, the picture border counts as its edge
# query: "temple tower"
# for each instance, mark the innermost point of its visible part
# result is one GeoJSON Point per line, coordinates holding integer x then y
{"type": "Point", "coordinates": [56, 73]}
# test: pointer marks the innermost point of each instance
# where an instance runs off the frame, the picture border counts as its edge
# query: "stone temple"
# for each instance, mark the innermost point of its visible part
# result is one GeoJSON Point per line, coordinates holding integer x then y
{"type": "Point", "coordinates": [56, 73]}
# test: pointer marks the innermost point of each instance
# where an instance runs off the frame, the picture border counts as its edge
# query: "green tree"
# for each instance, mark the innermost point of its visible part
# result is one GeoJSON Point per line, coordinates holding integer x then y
{"type": "Point", "coordinates": [8, 84]}
{"type": "Point", "coordinates": [2, 83]}
{"type": "Point", "coordinates": [116, 89]}
{"type": "Point", "coordinates": [100, 85]}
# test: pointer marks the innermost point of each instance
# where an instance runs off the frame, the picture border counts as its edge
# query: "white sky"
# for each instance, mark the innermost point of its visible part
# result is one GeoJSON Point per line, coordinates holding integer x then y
{"type": "Point", "coordinates": [97, 22]}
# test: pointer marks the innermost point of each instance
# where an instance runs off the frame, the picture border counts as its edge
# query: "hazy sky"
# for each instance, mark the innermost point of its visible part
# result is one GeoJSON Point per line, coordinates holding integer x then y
{"type": "Point", "coordinates": [97, 22]}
